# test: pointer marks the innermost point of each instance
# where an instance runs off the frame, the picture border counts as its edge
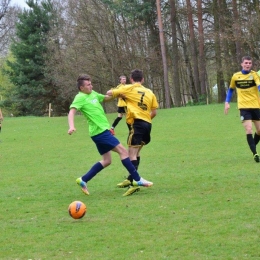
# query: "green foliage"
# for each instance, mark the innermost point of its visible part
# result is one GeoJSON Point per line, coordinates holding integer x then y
{"type": "Point", "coordinates": [133, 9]}
{"type": "Point", "coordinates": [201, 101]}
{"type": "Point", "coordinates": [204, 203]}
{"type": "Point", "coordinates": [7, 89]}
{"type": "Point", "coordinates": [33, 93]}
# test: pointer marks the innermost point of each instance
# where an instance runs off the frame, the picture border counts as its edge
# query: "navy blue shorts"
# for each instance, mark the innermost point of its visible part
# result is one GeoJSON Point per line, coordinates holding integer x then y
{"type": "Point", "coordinates": [105, 142]}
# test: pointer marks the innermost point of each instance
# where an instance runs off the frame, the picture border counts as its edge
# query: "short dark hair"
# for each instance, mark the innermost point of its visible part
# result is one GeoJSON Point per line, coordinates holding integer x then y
{"type": "Point", "coordinates": [246, 58]}
{"type": "Point", "coordinates": [137, 75]}
{"type": "Point", "coordinates": [81, 79]}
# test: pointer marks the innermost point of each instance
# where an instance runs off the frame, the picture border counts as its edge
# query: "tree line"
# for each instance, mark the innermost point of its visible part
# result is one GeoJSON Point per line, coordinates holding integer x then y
{"type": "Point", "coordinates": [188, 50]}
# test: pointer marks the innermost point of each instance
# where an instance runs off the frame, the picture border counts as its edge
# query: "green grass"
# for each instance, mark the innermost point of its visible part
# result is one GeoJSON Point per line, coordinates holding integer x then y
{"type": "Point", "coordinates": [205, 202]}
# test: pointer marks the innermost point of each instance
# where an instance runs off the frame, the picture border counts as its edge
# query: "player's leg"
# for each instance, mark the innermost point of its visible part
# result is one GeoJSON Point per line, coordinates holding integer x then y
{"type": "Point", "coordinates": [120, 111]}
{"type": "Point", "coordinates": [94, 170]}
{"type": "Point", "coordinates": [250, 140]}
{"type": "Point", "coordinates": [134, 138]}
{"type": "Point", "coordinates": [138, 180]}
{"type": "Point", "coordinates": [104, 143]}
{"type": "Point", "coordinates": [257, 125]}
{"type": "Point", "coordinates": [247, 117]}
{"type": "Point", "coordinates": [257, 132]}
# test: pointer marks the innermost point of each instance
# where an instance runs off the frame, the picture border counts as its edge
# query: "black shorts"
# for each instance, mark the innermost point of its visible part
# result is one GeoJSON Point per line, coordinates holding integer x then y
{"type": "Point", "coordinates": [250, 114]}
{"type": "Point", "coordinates": [140, 133]}
{"type": "Point", "coordinates": [121, 110]}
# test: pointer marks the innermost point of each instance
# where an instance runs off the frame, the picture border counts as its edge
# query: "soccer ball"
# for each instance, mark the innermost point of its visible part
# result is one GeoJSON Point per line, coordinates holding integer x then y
{"type": "Point", "coordinates": [77, 209]}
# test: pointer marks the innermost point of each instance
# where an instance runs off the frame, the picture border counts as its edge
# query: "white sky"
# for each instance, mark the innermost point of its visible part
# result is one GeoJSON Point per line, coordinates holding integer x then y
{"type": "Point", "coordinates": [21, 3]}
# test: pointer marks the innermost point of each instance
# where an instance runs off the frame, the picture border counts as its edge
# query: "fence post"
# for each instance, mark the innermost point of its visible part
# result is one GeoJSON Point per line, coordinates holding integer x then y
{"type": "Point", "coordinates": [49, 109]}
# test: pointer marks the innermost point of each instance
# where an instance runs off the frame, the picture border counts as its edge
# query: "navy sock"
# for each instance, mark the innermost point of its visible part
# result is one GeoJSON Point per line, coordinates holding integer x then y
{"type": "Point", "coordinates": [96, 168]}
{"type": "Point", "coordinates": [131, 169]}
{"type": "Point", "coordinates": [135, 163]}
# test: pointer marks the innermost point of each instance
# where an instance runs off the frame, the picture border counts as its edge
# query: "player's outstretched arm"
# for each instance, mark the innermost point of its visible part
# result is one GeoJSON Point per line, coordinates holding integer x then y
{"type": "Point", "coordinates": [109, 93]}
{"type": "Point", "coordinates": [108, 98]}
{"type": "Point", "coordinates": [71, 116]}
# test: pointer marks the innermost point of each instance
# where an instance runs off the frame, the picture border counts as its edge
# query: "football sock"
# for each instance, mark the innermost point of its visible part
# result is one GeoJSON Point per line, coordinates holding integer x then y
{"type": "Point", "coordinates": [116, 122]}
{"type": "Point", "coordinates": [131, 169]}
{"type": "Point", "coordinates": [135, 163]}
{"type": "Point", "coordinates": [256, 138]}
{"type": "Point", "coordinates": [96, 168]}
{"type": "Point", "coordinates": [251, 143]}
{"type": "Point", "coordinates": [138, 161]}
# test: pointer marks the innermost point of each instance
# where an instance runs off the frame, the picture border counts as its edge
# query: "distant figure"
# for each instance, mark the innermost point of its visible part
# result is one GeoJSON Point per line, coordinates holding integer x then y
{"type": "Point", "coordinates": [121, 106]}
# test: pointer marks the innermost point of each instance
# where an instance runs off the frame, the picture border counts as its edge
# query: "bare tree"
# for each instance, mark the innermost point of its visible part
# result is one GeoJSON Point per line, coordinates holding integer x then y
{"type": "Point", "coordinates": [202, 59]}
{"type": "Point", "coordinates": [193, 45]}
{"type": "Point", "coordinates": [175, 55]}
{"type": "Point", "coordinates": [8, 18]}
{"type": "Point", "coordinates": [164, 59]}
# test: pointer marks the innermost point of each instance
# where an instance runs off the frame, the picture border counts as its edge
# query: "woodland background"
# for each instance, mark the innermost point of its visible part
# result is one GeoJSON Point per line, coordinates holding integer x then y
{"type": "Point", "coordinates": [188, 50]}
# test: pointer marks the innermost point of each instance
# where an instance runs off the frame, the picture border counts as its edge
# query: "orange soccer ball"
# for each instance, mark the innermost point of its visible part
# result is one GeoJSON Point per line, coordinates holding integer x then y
{"type": "Point", "coordinates": [77, 209]}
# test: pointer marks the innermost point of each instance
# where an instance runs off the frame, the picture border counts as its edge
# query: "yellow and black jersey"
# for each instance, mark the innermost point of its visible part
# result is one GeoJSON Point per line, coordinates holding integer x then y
{"type": "Point", "coordinates": [246, 86]}
{"type": "Point", "coordinates": [140, 101]}
{"type": "Point", "coordinates": [120, 102]}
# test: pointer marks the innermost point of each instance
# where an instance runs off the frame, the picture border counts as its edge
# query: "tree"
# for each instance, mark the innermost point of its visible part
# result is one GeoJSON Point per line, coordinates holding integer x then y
{"type": "Point", "coordinates": [8, 17]}
{"type": "Point", "coordinates": [33, 92]}
{"type": "Point", "coordinates": [175, 55]}
{"type": "Point", "coordinates": [194, 55]}
{"type": "Point", "coordinates": [202, 60]}
{"type": "Point", "coordinates": [164, 58]}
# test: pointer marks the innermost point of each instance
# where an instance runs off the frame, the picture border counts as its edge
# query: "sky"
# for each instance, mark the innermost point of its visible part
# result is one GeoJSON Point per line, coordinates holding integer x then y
{"type": "Point", "coordinates": [21, 3]}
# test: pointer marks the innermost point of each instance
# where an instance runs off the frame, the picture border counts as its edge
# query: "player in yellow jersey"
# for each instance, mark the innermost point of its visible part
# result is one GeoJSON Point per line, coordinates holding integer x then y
{"type": "Point", "coordinates": [121, 105]}
{"type": "Point", "coordinates": [141, 108]}
{"type": "Point", "coordinates": [247, 84]}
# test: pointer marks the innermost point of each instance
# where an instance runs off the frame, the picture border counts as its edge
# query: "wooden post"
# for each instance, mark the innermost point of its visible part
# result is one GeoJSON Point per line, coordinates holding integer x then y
{"type": "Point", "coordinates": [49, 109]}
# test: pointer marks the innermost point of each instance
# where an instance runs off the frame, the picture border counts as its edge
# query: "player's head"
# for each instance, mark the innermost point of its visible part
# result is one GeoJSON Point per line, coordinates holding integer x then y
{"type": "Point", "coordinates": [136, 75]}
{"type": "Point", "coordinates": [247, 63]}
{"type": "Point", "coordinates": [84, 84]}
{"type": "Point", "coordinates": [122, 79]}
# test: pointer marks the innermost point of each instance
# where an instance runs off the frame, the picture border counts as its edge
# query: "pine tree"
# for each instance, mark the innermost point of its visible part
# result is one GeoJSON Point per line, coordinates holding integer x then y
{"type": "Point", "coordinates": [33, 92]}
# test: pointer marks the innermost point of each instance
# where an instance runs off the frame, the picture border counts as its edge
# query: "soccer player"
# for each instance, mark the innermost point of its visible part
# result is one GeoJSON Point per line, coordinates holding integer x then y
{"type": "Point", "coordinates": [88, 102]}
{"type": "Point", "coordinates": [121, 105]}
{"type": "Point", "coordinates": [247, 84]}
{"type": "Point", "coordinates": [141, 108]}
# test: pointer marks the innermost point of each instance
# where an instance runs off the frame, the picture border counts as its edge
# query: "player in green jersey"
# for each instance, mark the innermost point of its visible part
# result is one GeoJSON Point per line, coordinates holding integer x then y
{"type": "Point", "coordinates": [88, 102]}
{"type": "Point", "coordinates": [247, 84]}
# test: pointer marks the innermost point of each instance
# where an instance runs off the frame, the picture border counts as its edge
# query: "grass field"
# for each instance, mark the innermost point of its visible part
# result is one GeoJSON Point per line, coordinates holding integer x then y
{"type": "Point", "coordinates": [205, 202]}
